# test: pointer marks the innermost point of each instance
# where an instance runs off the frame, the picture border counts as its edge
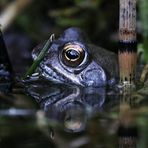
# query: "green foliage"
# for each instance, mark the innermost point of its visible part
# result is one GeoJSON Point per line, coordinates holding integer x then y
{"type": "Point", "coordinates": [143, 8]}
{"type": "Point", "coordinates": [87, 3]}
{"type": "Point", "coordinates": [143, 5]}
{"type": "Point", "coordinates": [145, 47]}
{"type": "Point", "coordinates": [98, 18]}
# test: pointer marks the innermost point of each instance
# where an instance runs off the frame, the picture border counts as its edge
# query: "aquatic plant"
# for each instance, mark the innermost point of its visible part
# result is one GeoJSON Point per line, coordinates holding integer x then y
{"type": "Point", "coordinates": [127, 41]}
{"type": "Point", "coordinates": [5, 67]}
{"type": "Point", "coordinates": [40, 57]}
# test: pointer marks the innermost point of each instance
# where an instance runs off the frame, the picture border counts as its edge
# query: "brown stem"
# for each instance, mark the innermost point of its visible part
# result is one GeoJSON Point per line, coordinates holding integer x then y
{"type": "Point", "coordinates": [127, 38]}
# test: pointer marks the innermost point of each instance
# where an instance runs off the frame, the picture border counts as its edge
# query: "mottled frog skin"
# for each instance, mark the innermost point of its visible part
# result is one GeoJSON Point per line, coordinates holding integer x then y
{"type": "Point", "coordinates": [71, 59]}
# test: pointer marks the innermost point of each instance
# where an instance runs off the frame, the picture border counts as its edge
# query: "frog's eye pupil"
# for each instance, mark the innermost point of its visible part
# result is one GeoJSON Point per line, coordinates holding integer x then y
{"type": "Point", "coordinates": [72, 54]}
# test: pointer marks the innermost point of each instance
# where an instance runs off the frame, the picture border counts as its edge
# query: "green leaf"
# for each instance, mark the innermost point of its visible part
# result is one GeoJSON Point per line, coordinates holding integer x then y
{"type": "Point", "coordinates": [39, 58]}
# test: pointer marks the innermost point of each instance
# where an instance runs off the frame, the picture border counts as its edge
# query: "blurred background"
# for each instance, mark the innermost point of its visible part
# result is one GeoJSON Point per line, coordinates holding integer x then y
{"type": "Point", "coordinates": [27, 23]}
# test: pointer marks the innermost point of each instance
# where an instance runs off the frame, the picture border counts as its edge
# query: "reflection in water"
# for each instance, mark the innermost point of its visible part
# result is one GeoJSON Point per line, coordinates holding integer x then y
{"type": "Point", "coordinates": [128, 137]}
{"type": "Point", "coordinates": [18, 123]}
{"type": "Point", "coordinates": [102, 114]}
{"type": "Point", "coordinates": [71, 106]}
{"type": "Point", "coordinates": [128, 129]}
{"type": "Point", "coordinates": [74, 117]}
{"type": "Point", "coordinates": [17, 112]}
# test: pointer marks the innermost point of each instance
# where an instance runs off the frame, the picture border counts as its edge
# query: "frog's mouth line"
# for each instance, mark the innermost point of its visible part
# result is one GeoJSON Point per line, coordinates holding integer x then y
{"type": "Point", "coordinates": [53, 74]}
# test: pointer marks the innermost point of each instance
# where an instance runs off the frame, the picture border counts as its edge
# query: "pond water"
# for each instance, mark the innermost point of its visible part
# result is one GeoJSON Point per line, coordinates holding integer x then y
{"type": "Point", "coordinates": [49, 115]}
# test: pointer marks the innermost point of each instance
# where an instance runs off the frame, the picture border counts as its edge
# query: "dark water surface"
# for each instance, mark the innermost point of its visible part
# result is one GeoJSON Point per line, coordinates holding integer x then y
{"type": "Point", "coordinates": [61, 116]}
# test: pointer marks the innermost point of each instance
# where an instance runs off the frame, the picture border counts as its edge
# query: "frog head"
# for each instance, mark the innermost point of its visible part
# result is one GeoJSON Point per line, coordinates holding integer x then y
{"type": "Point", "coordinates": [69, 60]}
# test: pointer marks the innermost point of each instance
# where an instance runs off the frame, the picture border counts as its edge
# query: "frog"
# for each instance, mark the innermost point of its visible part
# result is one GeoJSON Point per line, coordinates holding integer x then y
{"type": "Point", "coordinates": [72, 59]}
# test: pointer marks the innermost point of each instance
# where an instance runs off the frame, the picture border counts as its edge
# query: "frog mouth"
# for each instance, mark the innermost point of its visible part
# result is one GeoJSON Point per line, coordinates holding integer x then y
{"type": "Point", "coordinates": [52, 74]}
{"type": "Point", "coordinates": [93, 75]}
{"type": "Point", "coordinates": [58, 75]}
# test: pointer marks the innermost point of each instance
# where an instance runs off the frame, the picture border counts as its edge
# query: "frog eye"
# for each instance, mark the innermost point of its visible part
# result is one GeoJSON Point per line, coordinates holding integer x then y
{"type": "Point", "coordinates": [72, 55]}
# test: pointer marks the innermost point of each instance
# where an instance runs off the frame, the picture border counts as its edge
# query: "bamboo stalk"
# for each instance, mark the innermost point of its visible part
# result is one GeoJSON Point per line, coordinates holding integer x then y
{"type": "Point", "coordinates": [127, 41]}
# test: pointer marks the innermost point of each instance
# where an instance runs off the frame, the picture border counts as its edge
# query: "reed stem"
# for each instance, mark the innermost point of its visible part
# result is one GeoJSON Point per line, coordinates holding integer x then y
{"type": "Point", "coordinates": [39, 58]}
{"type": "Point", "coordinates": [5, 67]}
{"type": "Point", "coordinates": [127, 41]}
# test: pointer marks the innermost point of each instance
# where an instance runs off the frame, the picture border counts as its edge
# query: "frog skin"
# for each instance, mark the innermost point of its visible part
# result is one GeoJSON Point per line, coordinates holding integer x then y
{"type": "Point", "coordinates": [71, 59]}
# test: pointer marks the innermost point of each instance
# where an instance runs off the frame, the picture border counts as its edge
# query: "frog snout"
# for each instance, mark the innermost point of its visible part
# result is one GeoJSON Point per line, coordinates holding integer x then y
{"type": "Point", "coordinates": [93, 75]}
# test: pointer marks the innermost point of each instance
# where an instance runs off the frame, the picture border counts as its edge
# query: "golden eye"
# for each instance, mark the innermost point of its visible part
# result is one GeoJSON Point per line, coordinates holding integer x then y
{"type": "Point", "coordinates": [72, 54]}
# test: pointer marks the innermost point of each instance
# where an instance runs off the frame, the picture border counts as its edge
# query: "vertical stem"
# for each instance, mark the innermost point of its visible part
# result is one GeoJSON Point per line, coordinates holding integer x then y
{"type": "Point", "coordinates": [127, 41]}
{"type": "Point", "coordinates": [4, 58]}
{"type": "Point", "coordinates": [5, 67]}
{"type": "Point", "coordinates": [39, 58]}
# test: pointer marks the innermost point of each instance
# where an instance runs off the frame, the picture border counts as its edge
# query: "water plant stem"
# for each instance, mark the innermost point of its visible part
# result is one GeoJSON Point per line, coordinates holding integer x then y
{"type": "Point", "coordinates": [39, 58]}
{"type": "Point", "coordinates": [5, 67]}
{"type": "Point", "coordinates": [127, 41]}
{"type": "Point", "coordinates": [4, 58]}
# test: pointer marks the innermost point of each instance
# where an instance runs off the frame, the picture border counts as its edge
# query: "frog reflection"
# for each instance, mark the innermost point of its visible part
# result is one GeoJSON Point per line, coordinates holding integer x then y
{"type": "Point", "coordinates": [71, 106]}
{"type": "Point", "coordinates": [70, 59]}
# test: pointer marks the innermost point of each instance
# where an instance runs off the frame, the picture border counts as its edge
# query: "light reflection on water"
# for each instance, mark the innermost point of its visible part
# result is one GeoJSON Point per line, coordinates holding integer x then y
{"type": "Point", "coordinates": [71, 116]}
